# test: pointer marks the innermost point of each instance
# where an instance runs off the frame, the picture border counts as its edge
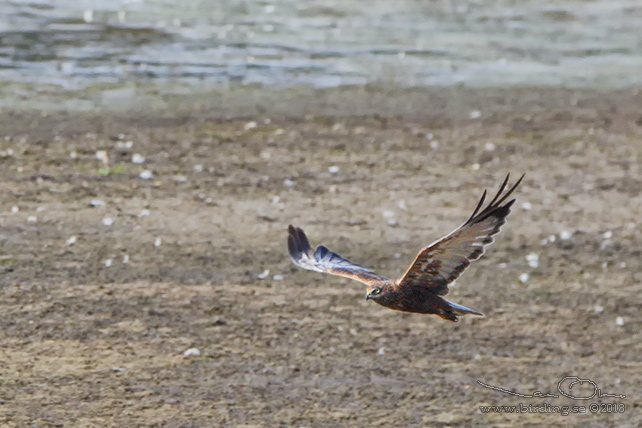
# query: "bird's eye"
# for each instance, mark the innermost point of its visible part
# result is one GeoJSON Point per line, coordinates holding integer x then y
{"type": "Point", "coordinates": [376, 292]}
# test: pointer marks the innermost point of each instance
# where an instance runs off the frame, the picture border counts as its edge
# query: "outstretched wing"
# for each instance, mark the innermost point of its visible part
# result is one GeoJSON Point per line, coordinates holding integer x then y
{"type": "Point", "coordinates": [444, 261]}
{"type": "Point", "coordinates": [324, 260]}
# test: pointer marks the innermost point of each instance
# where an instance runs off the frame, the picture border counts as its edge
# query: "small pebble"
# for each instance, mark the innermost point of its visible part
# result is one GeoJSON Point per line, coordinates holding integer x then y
{"type": "Point", "coordinates": [607, 235]}
{"type": "Point", "coordinates": [108, 263]}
{"type": "Point", "coordinates": [146, 175]}
{"type": "Point", "coordinates": [388, 214]}
{"type": "Point", "coordinates": [14, 209]}
{"type": "Point", "coordinates": [250, 125]}
{"type": "Point", "coordinates": [527, 206]}
{"type": "Point", "coordinates": [565, 235]}
{"type": "Point", "coordinates": [393, 223]}
{"type": "Point", "coordinates": [144, 213]}
{"type": "Point", "coordinates": [71, 241]}
{"type": "Point", "coordinates": [101, 155]}
{"type": "Point", "coordinates": [276, 200]}
{"type": "Point", "coordinates": [523, 278]}
{"type": "Point", "coordinates": [382, 351]}
{"type": "Point", "coordinates": [117, 369]}
{"type": "Point", "coordinates": [32, 219]}
{"type": "Point", "coordinates": [97, 203]}
{"type": "Point", "coordinates": [124, 145]}
{"type": "Point", "coordinates": [533, 260]}
{"type": "Point", "coordinates": [108, 221]}
{"type": "Point", "coordinates": [475, 167]}
{"type": "Point", "coordinates": [598, 309]}
{"type": "Point", "coordinates": [489, 147]}
{"type": "Point", "coordinates": [475, 114]}
{"type": "Point", "coordinates": [619, 321]}
{"type": "Point", "coordinates": [158, 242]}
{"type": "Point", "coordinates": [126, 258]}
{"type": "Point", "coordinates": [288, 183]}
{"type": "Point", "coordinates": [138, 158]}
{"type": "Point", "coordinates": [434, 144]}
{"type": "Point", "coordinates": [278, 277]}
{"type": "Point", "coordinates": [192, 352]}
{"type": "Point", "coordinates": [263, 274]}
{"type": "Point", "coordinates": [333, 169]}
{"type": "Point", "coordinates": [402, 205]}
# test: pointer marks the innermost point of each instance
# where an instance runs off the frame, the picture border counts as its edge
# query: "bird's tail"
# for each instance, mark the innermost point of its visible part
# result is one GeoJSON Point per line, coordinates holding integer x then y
{"type": "Point", "coordinates": [462, 310]}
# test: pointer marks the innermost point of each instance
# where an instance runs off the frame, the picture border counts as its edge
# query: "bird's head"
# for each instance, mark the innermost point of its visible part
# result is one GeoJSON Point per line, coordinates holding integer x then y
{"type": "Point", "coordinates": [374, 292]}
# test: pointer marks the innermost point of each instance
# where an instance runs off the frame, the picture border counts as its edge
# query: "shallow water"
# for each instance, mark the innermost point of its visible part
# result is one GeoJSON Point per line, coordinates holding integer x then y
{"type": "Point", "coordinates": [69, 45]}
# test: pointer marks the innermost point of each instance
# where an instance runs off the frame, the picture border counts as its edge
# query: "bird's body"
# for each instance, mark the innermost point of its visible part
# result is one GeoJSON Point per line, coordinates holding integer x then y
{"type": "Point", "coordinates": [421, 288]}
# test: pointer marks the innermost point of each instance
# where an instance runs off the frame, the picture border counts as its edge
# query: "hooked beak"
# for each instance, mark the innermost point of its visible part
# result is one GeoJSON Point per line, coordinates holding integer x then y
{"type": "Point", "coordinates": [368, 297]}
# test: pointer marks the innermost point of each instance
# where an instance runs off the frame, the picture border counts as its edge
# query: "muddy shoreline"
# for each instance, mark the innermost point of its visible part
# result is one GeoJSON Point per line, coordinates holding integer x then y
{"type": "Point", "coordinates": [94, 329]}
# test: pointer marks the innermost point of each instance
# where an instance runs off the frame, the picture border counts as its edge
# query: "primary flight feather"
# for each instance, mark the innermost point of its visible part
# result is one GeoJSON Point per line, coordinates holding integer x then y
{"type": "Point", "coordinates": [421, 288]}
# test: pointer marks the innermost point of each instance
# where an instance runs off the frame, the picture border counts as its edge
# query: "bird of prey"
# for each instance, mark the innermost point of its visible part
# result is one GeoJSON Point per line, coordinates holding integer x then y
{"type": "Point", "coordinates": [421, 288]}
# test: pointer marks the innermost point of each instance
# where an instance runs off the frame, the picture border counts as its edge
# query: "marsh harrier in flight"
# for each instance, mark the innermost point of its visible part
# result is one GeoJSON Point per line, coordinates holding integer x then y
{"type": "Point", "coordinates": [420, 289]}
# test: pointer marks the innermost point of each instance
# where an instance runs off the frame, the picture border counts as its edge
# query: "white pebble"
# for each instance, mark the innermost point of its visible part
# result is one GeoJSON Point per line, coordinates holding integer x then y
{"type": "Point", "coordinates": [117, 369]}
{"type": "Point", "coordinates": [397, 255]}
{"type": "Point", "coordinates": [527, 206]}
{"type": "Point", "coordinates": [333, 169]}
{"type": "Point", "coordinates": [619, 321]}
{"type": "Point", "coordinates": [382, 351]}
{"type": "Point", "coordinates": [14, 209]}
{"type": "Point", "coordinates": [565, 235]}
{"type": "Point", "coordinates": [101, 155]}
{"type": "Point", "coordinates": [434, 144]}
{"type": "Point", "coordinates": [40, 209]}
{"type": "Point", "coordinates": [108, 221]}
{"type": "Point", "coordinates": [475, 167]}
{"type": "Point", "coordinates": [192, 352]}
{"type": "Point", "coordinates": [475, 114]}
{"type": "Point", "coordinates": [489, 147]}
{"type": "Point", "coordinates": [32, 219]}
{"type": "Point", "coordinates": [198, 168]}
{"type": "Point", "coordinates": [158, 242]}
{"type": "Point", "coordinates": [97, 203]}
{"type": "Point", "coordinates": [108, 262]}
{"type": "Point", "coordinates": [533, 260]}
{"type": "Point", "coordinates": [551, 238]}
{"type": "Point", "coordinates": [146, 175]}
{"type": "Point", "coordinates": [144, 213]}
{"type": "Point", "coordinates": [523, 278]}
{"type": "Point", "coordinates": [607, 235]}
{"type": "Point", "coordinates": [263, 274]}
{"type": "Point", "coordinates": [388, 214]}
{"type": "Point", "coordinates": [71, 241]}
{"type": "Point", "coordinates": [126, 145]}
{"type": "Point", "coordinates": [598, 309]}
{"type": "Point", "coordinates": [126, 258]}
{"type": "Point", "coordinates": [393, 223]}
{"type": "Point", "coordinates": [276, 200]}
{"type": "Point", "coordinates": [402, 205]}
{"type": "Point", "coordinates": [278, 277]}
{"type": "Point", "coordinates": [73, 154]}
{"type": "Point", "coordinates": [288, 183]}
{"type": "Point", "coordinates": [138, 158]}
{"type": "Point", "coordinates": [250, 125]}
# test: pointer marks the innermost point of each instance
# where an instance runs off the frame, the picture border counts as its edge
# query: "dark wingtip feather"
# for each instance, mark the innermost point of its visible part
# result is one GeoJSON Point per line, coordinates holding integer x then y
{"type": "Point", "coordinates": [495, 207]}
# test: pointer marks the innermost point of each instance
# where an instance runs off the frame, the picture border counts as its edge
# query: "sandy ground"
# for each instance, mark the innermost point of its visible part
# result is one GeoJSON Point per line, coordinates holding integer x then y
{"type": "Point", "coordinates": [93, 333]}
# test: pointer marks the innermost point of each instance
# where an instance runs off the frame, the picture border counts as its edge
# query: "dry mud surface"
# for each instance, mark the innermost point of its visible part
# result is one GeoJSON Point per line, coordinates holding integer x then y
{"type": "Point", "coordinates": [84, 344]}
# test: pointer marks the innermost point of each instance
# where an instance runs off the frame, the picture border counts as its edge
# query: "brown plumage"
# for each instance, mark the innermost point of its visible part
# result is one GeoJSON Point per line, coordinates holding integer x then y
{"type": "Point", "coordinates": [436, 266]}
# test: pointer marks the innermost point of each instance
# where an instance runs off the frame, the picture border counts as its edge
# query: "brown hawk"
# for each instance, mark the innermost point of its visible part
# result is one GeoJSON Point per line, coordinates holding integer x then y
{"type": "Point", "coordinates": [420, 289]}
